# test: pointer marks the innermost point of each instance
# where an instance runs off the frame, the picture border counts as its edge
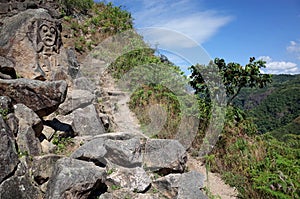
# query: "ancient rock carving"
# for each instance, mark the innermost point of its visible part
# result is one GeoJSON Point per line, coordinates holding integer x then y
{"type": "Point", "coordinates": [46, 39]}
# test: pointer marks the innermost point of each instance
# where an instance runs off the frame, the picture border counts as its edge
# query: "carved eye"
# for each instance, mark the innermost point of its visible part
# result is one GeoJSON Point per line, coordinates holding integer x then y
{"type": "Point", "coordinates": [44, 28]}
{"type": "Point", "coordinates": [52, 30]}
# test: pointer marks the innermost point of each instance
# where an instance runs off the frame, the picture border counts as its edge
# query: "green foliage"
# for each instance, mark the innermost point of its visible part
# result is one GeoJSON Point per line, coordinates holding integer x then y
{"type": "Point", "coordinates": [4, 113]}
{"type": "Point", "coordinates": [275, 107]}
{"type": "Point", "coordinates": [62, 144]}
{"type": "Point", "coordinates": [147, 95]}
{"type": "Point", "coordinates": [258, 166]}
{"type": "Point", "coordinates": [278, 175]}
{"type": "Point", "coordinates": [133, 59]}
{"type": "Point", "coordinates": [115, 187]}
{"type": "Point", "coordinates": [234, 77]}
{"type": "Point", "coordinates": [103, 20]}
{"type": "Point", "coordinates": [23, 153]}
{"type": "Point", "coordinates": [285, 132]}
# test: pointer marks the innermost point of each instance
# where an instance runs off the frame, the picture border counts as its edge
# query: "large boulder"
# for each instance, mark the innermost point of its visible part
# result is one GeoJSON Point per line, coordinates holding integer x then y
{"type": "Point", "coordinates": [76, 99]}
{"type": "Point", "coordinates": [134, 179]}
{"type": "Point", "coordinates": [8, 154]}
{"type": "Point", "coordinates": [181, 186]}
{"type": "Point", "coordinates": [164, 156]}
{"type": "Point", "coordinates": [27, 141]}
{"type": "Point", "coordinates": [32, 40]}
{"type": "Point", "coordinates": [86, 121]}
{"type": "Point", "coordinates": [19, 187]}
{"type": "Point", "coordinates": [42, 97]}
{"type": "Point", "coordinates": [125, 153]}
{"type": "Point", "coordinates": [22, 112]}
{"type": "Point", "coordinates": [43, 166]}
{"type": "Point", "coordinates": [102, 150]}
{"type": "Point", "coordinates": [75, 179]}
{"type": "Point", "coordinates": [126, 193]}
{"type": "Point", "coordinates": [190, 186]}
{"type": "Point", "coordinates": [168, 185]}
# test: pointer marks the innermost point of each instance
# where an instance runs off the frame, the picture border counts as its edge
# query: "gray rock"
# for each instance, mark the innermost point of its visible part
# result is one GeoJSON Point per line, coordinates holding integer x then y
{"type": "Point", "coordinates": [126, 193]}
{"type": "Point", "coordinates": [75, 179]}
{"type": "Point", "coordinates": [42, 97]}
{"type": "Point", "coordinates": [83, 83]}
{"type": "Point", "coordinates": [93, 150]}
{"type": "Point", "coordinates": [125, 153]}
{"type": "Point", "coordinates": [48, 147]}
{"type": "Point", "coordinates": [164, 156]}
{"type": "Point", "coordinates": [19, 187]}
{"type": "Point", "coordinates": [27, 142]}
{"type": "Point", "coordinates": [76, 99]}
{"type": "Point", "coordinates": [8, 155]}
{"type": "Point", "coordinates": [190, 186]}
{"type": "Point", "coordinates": [121, 136]}
{"type": "Point", "coordinates": [87, 122]}
{"type": "Point", "coordinates": [13, 24]}
{"type": "Point", "coordinates": [7, 70]}
{"type": "Point", "coordinates": [168, 185]}
{"type": "Point", "coordinates": [13, 123]}
{"type": "Point", "coordinates": [134, 179]}
{"type": "Point", "coordinates": [43, 166]}
{"type": "Point", "coordinates": [48, 132]}
{"type": "Point", "coordinates": [73, 63]}
{"type": "Point", "coordinates": [24, 113]}
{"type": "Point", "coordinates": [5, 103]}
{"type": "Point", "coordinates": [106, 148]}
{"type": "Point", "coordinates": [36, 55]}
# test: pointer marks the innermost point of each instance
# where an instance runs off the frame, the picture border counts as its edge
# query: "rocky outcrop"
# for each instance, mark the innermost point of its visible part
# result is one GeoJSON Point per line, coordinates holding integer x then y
{"type": "Point", "coordinates": [9, 8]}
{"type": "Point", "coordinates": [29, 117]}
{"type": "Point", "coordinates": [164, 156]}
{"type": "Point", "coordinates": [42, 97]}
{"type": "Point", "coordinates": [8, 153]}
{"type": "Point", "coordinates": [76, 99]}
{"type": "Point", "coordinates": [134, 179]}
{"type": "Point", "coordinates": [86, 121]}
{"type": "Point", "coordinates": [75, 179]}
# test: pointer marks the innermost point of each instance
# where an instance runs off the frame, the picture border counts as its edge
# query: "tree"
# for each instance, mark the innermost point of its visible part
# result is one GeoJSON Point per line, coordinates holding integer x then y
{"type": "Point", "coordinates": [234, 76]}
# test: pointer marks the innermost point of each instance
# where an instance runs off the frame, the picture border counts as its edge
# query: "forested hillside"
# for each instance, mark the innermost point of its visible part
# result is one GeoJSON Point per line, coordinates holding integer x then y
{"type": "Point", "coordinates": [276, 107]}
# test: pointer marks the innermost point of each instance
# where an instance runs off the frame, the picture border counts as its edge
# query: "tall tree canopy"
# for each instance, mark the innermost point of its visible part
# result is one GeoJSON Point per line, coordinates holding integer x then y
{"type": "Point", "coordinates": [233, 75]}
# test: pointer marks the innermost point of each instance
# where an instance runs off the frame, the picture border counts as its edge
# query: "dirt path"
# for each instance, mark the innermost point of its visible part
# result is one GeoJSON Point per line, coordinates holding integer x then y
{"type": "Point", "coordinates": [212, 181]}
{"type": "Point", "coordinates": [127, 122]}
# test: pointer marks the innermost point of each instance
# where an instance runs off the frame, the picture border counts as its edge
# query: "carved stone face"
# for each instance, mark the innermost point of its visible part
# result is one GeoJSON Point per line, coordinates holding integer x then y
{"type": "Point", "coordinates": [48, 34]}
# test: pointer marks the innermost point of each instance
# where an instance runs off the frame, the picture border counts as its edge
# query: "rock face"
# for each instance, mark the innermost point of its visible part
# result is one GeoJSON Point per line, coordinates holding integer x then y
{"type": "Point", "coordinates": [164, 156]}
{"type": "Point", "coordinates": [76, 99]}
{"type": "Point", "coordinates": [31, 41]}
{"type": "Point", "coordinates": [87, 122]}
{"type": "Point", "coordinates": [9, 8]}
{"type": "Point", "coordinates": [22, 112]}
{"type": "Point", "coordinates": [134, 179]}
{"type": "Point", "coordinates": [19, 187]}
{"type": "Point", "coordinates": [75, 179]}
{"type": "Point", "coordinates": [8, 153]}
{"type": "Point", "coordinates": [42, 97]}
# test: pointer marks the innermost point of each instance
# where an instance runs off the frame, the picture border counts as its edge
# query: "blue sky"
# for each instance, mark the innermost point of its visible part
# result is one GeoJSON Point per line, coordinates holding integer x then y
{"type": "Point", "coordinates": [197, 30]}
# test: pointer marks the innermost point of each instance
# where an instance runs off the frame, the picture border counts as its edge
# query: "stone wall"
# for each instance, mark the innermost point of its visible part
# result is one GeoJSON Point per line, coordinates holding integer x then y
{"type": "Point", "coordinates": [12, 7]}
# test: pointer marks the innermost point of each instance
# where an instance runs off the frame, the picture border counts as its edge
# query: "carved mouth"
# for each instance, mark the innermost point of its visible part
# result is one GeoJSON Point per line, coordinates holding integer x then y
{"type": "Point", "coordinates": [49, 40]}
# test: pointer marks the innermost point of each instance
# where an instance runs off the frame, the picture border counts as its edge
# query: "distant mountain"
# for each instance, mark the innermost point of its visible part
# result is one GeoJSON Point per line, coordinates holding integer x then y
{"type": "Point", "coordinates": [275, 107]}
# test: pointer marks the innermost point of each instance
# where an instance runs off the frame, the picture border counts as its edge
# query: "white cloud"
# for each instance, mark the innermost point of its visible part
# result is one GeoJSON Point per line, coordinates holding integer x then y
{"type": "Point", "coordinates": [279, 67]}
{"type": "Point", "coordinates": [294, 48]}
{"type": "Point", "coordinates": [184, 16]}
